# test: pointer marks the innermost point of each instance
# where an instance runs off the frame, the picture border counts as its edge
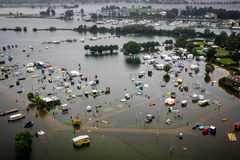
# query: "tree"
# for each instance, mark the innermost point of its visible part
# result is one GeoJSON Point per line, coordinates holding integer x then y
{"type": "Point", "coordinates": [23, 143]}
{"type": "Point", "coordinates": [40, 102]}
{"type": "Point", "coordinates": [25, 29]}
{"type": "Point", "coordinates": [221, 38]}
{"type": "Point", "coordinates": [166, 68]}
{"type": "Point", "coordinates": [190, 47]}
{"type": "Point", "coordinates": [76, 123]}
{"type": "Point", "coordinates": [211, 53]}
{"type": "Point", "coordinates": [170, 15]}
{"type": "Point", "coordinates": [82, 12]}
{"type": "Point", "coordinates": [86, 47]}
{"type": "Point", "coordinates": [132, 47]}
{"type": "Point", "coordinates": [69, 13]}
{"type": "Point", "coordinates": [181, 42]}
{"type": "Point", "coordinates": [175, 11]}
{"type": "Point", "coordinates": [53, 12]}
{"type": "Point", "coordinates": [94, 16]}
{"type": "Point", "coordinates": [30, 96]}
{"type": "Point", "coordinates": [236, 57]}
{"type": "Point", "coordinates": [209, 68]}
{"type": "Point", "coordinates": [18, 29]}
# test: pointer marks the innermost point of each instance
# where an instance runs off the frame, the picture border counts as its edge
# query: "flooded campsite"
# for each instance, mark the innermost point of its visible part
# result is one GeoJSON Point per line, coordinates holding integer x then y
{"type": "Point", "coordinates": [124, 106]}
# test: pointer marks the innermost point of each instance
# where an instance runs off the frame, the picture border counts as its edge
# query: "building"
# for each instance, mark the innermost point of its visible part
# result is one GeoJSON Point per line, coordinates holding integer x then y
{"type": "Point", "coordinates": [52, 101]}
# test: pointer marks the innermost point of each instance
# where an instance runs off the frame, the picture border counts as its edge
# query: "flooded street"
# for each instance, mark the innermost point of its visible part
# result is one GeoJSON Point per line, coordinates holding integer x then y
{"type": "Point", "coordinates": [117, 130]}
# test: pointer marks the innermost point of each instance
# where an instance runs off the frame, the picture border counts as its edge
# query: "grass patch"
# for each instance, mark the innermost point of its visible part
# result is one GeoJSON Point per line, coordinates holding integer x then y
{"type": "Point", "coordinates": [198, 48]}
{"type": "Point", "coordinates": [199, 43]}
{"type": "Point", "coordinates": [203, 54]}
{"type": "Point", "coordinates": [222, 51]}
{"type": "Point", "coordinates": [226, 61]}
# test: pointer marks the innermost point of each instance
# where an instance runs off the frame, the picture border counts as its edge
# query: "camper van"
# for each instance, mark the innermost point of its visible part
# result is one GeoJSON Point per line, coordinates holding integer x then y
{"type": "Point", "coordinates": [81, 140]}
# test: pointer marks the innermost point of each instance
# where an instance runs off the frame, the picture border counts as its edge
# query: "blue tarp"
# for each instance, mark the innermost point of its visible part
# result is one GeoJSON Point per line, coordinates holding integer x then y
{"type": "Point", "coordinates": [123, 100]}
{"type": "Point", "coordinates": [201, 127]}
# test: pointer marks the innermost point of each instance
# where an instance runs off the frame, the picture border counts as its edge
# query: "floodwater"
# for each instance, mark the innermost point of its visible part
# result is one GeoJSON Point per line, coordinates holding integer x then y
{"type": "Point", "coordinates": [125, 130]}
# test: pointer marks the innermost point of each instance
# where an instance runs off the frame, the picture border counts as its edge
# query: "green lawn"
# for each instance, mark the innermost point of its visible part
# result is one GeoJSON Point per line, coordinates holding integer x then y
{"type": "Point", "coordinates": [222, 51]}
{"type": "Point", "coordinates": [200, 43]}
{"type": "Point", "coordinates": [198, 48]}
{"type": "Point", "coordinates": [226, 61]}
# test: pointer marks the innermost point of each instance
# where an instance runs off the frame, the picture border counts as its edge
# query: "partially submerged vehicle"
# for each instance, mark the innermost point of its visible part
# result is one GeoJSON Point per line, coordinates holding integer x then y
{"type": "Point", "coordinates": [28, 124]}
{"type": "Point", "coordinates": [81, 140]}
{"type": "Point", "coordinates": [149, 118]}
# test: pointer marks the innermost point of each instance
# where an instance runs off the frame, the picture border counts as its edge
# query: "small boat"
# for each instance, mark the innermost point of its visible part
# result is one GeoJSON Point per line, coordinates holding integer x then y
{"type": "Point", "coordinates": [203, 102]}
{"type": "Point", "coordinates": [232, 137]}
{"type": "Point", "coordinates": [28, 124]}
{"type": "Point", "coordinates": [16, 117]}
{"type": "Point", "coordinates": [8, 112]}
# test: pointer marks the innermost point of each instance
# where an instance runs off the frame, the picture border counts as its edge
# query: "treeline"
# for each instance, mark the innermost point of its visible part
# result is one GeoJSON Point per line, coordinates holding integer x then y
{"type": "Point", "coordinates": [101, 48]}
{"type": "Point", "coordinates": [150, 30]}
{"type": "Point", "coordinates": [133, 47]}
{"type": "Point", "coordinates": [200, 12]}
{"type": "Point", "coordinates": [16, 29]}
{"type": "Point", "coordinates": [231, 42]}
{"type": "Point", "coordinates": [50, 11]}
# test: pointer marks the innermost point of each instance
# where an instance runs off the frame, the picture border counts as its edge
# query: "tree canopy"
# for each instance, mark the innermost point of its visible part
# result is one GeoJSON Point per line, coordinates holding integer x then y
{"type": "Point", "coordinates": [166, 68]}
{"type": "Point", "coordinates": [211, 53]}
{"type": "Point", "coordinates": [132, 47]}
{"type": "Point", "coordinates": [23, 143]}
{"type": "Point", "coordinates": [69, 13]}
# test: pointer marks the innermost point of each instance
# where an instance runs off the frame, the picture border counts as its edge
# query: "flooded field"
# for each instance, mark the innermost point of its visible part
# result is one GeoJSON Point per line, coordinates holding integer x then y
{"type": "Point", "coordinates": [118, 127]}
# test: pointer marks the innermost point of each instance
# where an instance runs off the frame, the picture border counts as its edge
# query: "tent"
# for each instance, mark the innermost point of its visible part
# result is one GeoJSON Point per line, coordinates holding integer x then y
{"type": "Point", "coordinates": [30, 70]}
{"type": "Point", "coordinates": [74, 73]}
{"type": "Point", "coordinates": [30, 65]}
{"type": "Point", "coordinates": [170, 101]}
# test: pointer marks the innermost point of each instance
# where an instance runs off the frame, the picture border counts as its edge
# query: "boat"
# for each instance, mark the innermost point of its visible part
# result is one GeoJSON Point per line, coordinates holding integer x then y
{"type": "Point", "coordinates": [8, 112]}
{"type": "Point", "coordinates": [184, 102]}
{"type": "Point", "coordinates": [81, 140]}
{"type": "Point", "coordinates": [203, 102]}
{"type": "Point", "coordinates": [16, 117]}
{"type": "Point", "coordinates": [232, 137]}
{"type": "Point", "coordinates": [28, 124]}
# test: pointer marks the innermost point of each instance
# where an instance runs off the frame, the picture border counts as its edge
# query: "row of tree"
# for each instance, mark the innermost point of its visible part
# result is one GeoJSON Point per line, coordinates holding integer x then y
{"type": "Point", "coordinates": [231, 42]}
{"type": "Point", "coordinates": [133, 47]}
{"type": "Point", "coordinates": [50, 11]}
{"type": "Point", "coordinates": [17, 29]}
{"type": "Point", "coordinates": [101, 48]}
{"type": "Point", "coordinates": [142, 29]}
{"type": "Point", "coordinates": [200, 12]}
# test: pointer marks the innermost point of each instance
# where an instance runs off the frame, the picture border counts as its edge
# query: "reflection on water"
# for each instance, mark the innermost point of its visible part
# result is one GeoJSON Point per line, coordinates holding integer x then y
{"type": "Point", "coordinates": [133, 62]}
